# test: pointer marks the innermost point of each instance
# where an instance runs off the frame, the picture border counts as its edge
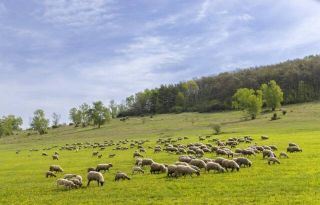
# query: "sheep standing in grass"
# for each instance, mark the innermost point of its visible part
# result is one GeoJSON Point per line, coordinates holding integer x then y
{"type": "Point", "coordinates": [91, 169]}
{"type": "Point", "coordinates": [146, 162]}
{"type": "Point", "coordinates": [283, 155]}
{"type": "Point", "coordinates": [294, 149]}
{"type": "Point", "coordinates": [198, 163]}
{"type": "Point", "coordinates": [230, 164]}
{"type": "Point", "coordinates": [186, 159]}
{"type": "Point", "coordinates": [66, 183]}
{"type": "Point", "coordinates": [137, 169]}
{"type": "Point", "coordinates": [55, 168]}
{"type": "Point", "coordinates": [215, 167]}
{"type": "Point", "coordinates": [55, 157]}
{"type": "Point", "coordinates": [50, 174]}
{"type": "Point", "coordinates": [243, 161]}
{"type": "Point", "coordinates": [273, 160]}
{"type": "Point", "coordinates": [171, 170]}
{"type": "Point", "coordinates": [121, 175]}
{"type": "Point", "coordinates": [267, 153]}
{"type": "Point", "coordinates": [103, 167]}
{"type": "Point", "coordinates": [95, 176]}
{"type": "Point", "coordinates": [157, 168]}
{"type": "Point", "coordinates": [137, 154]}
{"type": "Point", "coordinates": [182, 170]}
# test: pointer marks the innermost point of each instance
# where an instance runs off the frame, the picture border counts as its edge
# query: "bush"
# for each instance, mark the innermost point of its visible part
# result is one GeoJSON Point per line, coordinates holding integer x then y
{"type": "Point", "coordinates": [216, 128]}
{"type": "Point", "coordinates": [284, 112]}
{"type": "Point", "coordinates": [177, 109]}
{"type": "Point", "coordinates": [275, 116]}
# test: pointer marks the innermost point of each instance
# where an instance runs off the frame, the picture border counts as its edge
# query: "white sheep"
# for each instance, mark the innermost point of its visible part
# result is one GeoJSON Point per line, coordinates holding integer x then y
{"type": "Point", "coordinates": [95, 176]}
{"type": "Point", "coordinates": [121, 175]}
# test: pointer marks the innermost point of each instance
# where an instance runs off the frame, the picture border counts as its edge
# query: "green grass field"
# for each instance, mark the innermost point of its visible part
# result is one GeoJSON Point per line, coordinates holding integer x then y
{"type": "Point", "coordinates": [295, 181]}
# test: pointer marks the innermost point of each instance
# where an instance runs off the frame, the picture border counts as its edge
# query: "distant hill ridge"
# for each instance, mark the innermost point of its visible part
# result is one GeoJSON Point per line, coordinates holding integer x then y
{"type": "Point", "coordinates": [299, 79]}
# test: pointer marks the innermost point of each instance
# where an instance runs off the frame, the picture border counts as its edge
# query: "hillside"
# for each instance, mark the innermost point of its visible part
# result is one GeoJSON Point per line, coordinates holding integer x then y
{"type": "Point", "coordinates": [296, 178]}
{"type": "Point", "coordinates": [299, 80]}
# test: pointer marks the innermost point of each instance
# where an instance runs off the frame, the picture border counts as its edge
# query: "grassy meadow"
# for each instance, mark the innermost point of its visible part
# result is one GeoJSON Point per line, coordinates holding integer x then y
{"type": "Point", "coordinates": [295, 181]}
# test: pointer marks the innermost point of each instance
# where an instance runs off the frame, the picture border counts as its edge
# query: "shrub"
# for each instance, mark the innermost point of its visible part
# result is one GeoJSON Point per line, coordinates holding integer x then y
{"type": "Point", "coordinates": [275, 116]}
{"type": "Point", "coordinates": [284, 112]}
{"type": "Point", "coordinates": [216, 128]}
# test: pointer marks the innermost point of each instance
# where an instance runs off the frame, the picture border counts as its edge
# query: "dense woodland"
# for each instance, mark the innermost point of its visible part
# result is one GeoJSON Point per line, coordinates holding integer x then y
{"type": "Point", "coordinates": [299, 80]}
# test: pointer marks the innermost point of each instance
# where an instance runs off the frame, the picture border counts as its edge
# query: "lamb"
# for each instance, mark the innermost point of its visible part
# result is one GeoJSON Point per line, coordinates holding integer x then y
{"type": "Point", "coordinates": [243, 161]}
{"type": "Point", "coordinates": [55, 157]}
{"type": "Point", "coordinates": [121, 175]}
{"type": "Point", "coordinates": [283, 154]}
{"type": "Point", "coordinates": [66, 183]}
{"type": "Point", "coordinates": [95, 176]}
{"type": "Point", "coordinates": [294, 149]}
{"type": "Point", "coordinates": [137, 169]}
{"type": "Point", "coordinates": [50, 174]}
{"type": "Point", "coordinates": [215, 167]}
{"type": "Point", "coordinates": [230, 164]}
{"type": "Point", "coordinates": [185, 170]}
{"type": "Point", "coordinates": [273, 160]}
{"type": "Point", "coordinates": [55, 168]}
{"type": "Point", "coordinates": [157, 168]}
{"type": "Point", "coordinates": [146, 162]}
{"type": "Point", "coordinates": [103, 167]}
{"type": "Point", "coordinates": [198, 162]}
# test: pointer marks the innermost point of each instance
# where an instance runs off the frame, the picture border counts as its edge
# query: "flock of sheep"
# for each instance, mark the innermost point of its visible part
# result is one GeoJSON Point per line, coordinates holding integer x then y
{"type": "Point", "coordinates": [191, 160]}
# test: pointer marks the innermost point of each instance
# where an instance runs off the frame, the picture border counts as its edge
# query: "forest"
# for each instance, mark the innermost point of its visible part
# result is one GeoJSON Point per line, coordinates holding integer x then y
{"type": "Point", "coordinates": [299, 80]}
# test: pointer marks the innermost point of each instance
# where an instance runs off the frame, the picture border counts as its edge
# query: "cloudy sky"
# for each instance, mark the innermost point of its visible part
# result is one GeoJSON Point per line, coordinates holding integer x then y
{"type": "Point", "coordinates": [56, 54]}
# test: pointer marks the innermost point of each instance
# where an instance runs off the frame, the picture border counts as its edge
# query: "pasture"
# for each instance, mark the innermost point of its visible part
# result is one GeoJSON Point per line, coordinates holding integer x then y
{"type": "Point", "coordinates": [295, 181]}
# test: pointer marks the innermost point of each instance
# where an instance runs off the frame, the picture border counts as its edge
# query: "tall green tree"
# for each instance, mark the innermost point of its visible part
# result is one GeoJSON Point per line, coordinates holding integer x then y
{"type": "Point", "coordinates": [248, 100]}
{"type": "Point", "coordinates": [75, 116]}
{"type": "Point", "coordinates": [113, 109]}
{"type": "Point", "coordinates": [85, 114]}
{"type": "Point", "coordinates": [9, 124]}
{"type": "Point", "coordinates": [55, 119]}
{"type": "Point", "coordinates": [272, 95]}
{"type": "Point", "coordinates": [39, 122]}
{"type": "Point", "coordinates": [99, 114]}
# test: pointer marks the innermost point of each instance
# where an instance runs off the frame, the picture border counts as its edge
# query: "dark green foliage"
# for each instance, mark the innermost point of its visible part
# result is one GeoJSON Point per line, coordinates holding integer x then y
{"type": "Point", "coordinates": [284, 112]}
{"type": "Point", "coordinates": [298, 79]}
{"type": "Point", "coordinates": [275, 116]}
{"type": "Point", "coordinates": [39, 122]}
{"type": "Point", "coordinates": [9, 124]}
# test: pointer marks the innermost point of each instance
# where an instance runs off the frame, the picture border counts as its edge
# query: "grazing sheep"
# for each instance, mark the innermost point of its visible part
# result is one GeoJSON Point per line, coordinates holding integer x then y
{"type": "Point", "coordinates": [103, 167]}
{"type": "Point", "coordinates": [215, 167]}
{"type": "Point", "coordinates": [66, 183]}
{"type": "Point", "coordinates": [69, 176]}
{"type": "Point", "coordinates": [291, 144]}
{"type": "Point", "coordinates": [95, 176]}
{"type": "Point", "coordinates": [273, 160]}
{"type": "Point", "coordinates": [243, 161]}
{"type": "Point", "coordinates": [263, 137]}
{"type": "Point", "coordinates": [283, 154]}
{"type": "Point", "coordinates": [91, 169]}
{"type": "Point", "coordinates": [99, 156]}
{"type": "Point", "coordinates": [230, 164]}
{"type": "Point", "coordinates": [112, 155]}
{"type": "Point", "coordinates": [198, 162]}
{"type": "Point", "coordinates": [186, 159]}
{"type": "Point", "coordinates": [138, 162]}
{"type": "Point", "coordinates": [121, 175]}
{"type": "Point", "coordinates": [44, 154]}
{"type": "Point", "coordinates": [55, 168]}
{"type": "Point", "coordinates": [137, 154]}
{"type": "Point", "coordinates": [248, 152]}
{"type": "Point", "coordinates": [182, 170]}
{"type": "Point", "coordinates": [76, 181]}
{"type": "Point", "coordinates": [95, 153]}
{"type": "Point", "coordinates": [157, 168]}
{"type": "Point", "coordinates": [219, 160]}
{"type": "Point", "coordinates": [294, 149]}
{"type": "Point", "coordinates": [267, 153]}
{"type": "Point", "coordinates": [171, 170]}
{"type": "Point", "coordinates": [137, 169]}
{"type": "Point", "coordinates": [146, 162]}
{"type": "Point", "coordinates": [181, 163]}
{"type": "Point", "coordinates": [273, 147]}
{"type": "Point", "coordinates": [50, 174]}
{"type": "Point", "coordinates": [55, 157]}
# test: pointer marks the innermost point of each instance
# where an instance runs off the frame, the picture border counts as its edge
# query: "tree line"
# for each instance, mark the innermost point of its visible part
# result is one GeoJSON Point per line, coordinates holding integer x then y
{"type": "Point", "coordinates": [299, 80]}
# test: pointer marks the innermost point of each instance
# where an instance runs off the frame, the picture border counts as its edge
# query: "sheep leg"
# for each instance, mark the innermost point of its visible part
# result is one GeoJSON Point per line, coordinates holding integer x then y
{"type": "Point", "coordinates": [88, 183]}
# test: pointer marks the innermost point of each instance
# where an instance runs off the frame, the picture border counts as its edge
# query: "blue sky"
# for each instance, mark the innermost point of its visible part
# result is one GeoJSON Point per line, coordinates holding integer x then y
{"type": "Point", "coordinates": [57, 54]}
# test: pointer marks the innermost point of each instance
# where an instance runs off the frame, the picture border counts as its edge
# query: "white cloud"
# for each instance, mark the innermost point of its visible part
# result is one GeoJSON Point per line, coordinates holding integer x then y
{"type": "Point", "coordinates": [203, 10]}
{"type": "Point", "coordinates": [77, 12]}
